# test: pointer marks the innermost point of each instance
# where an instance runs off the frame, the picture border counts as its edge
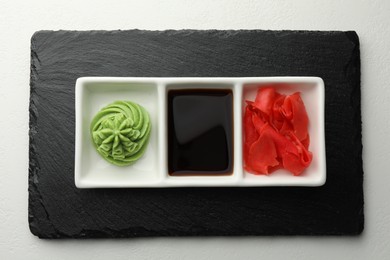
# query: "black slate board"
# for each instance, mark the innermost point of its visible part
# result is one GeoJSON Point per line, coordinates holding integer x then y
{"type": "Point", "coordinates": [57, 209]}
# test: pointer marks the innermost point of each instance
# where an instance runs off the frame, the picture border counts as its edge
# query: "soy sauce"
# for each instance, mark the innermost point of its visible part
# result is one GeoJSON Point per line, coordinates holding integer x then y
{"type": "Point", "coordinates": [200, 132]}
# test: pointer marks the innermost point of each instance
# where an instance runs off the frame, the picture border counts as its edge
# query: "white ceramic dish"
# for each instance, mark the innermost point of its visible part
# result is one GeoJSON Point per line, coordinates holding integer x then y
{"type": "Point", "coordinates": [93, 93]}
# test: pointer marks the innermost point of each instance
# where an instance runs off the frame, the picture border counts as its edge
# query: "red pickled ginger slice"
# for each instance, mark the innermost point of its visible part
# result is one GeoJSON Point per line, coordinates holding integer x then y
{"type": "Point", "coordinates": [250, 132]}
{"type": "Point", "coordinates": [295, 112]}
{"type": "Point", "coordinates": [265, 149]}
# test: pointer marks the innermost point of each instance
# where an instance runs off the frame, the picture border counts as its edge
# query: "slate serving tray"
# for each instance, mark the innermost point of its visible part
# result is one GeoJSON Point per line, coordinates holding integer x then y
{"type": "Point", "coordinates": [57, 209]}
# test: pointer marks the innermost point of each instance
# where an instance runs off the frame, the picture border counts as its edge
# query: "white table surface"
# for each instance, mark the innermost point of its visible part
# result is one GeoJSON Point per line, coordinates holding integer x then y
{"type": "Point", "coordinates": [20, 19]}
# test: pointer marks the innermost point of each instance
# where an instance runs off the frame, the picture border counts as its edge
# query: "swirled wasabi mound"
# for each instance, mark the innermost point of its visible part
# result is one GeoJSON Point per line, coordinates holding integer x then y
{"type": "Point", "coordinates": [120, 132]}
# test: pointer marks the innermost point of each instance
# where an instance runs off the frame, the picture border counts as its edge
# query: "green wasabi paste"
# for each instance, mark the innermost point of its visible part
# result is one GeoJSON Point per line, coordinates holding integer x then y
{"type": "Point", "coordinates": [120, 132]}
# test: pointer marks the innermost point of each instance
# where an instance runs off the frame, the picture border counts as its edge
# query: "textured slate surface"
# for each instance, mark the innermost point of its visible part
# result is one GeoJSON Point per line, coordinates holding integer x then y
{"type": "Point", "coordinates": [57, 209]}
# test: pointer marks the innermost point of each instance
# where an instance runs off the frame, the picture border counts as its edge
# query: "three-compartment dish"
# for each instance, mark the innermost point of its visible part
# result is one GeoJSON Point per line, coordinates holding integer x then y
{"type": "Point", "coordinates": [197, 131]}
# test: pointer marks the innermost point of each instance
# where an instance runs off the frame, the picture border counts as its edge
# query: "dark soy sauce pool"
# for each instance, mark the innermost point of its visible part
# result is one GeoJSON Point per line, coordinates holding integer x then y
{"type": "Point", "coordinates": [200, 132]}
